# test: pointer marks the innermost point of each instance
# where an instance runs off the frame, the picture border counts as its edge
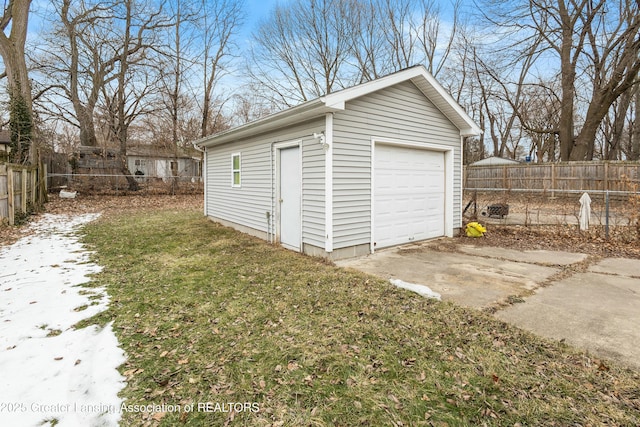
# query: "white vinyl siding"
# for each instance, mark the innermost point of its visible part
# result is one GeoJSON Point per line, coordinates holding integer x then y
{"type": "Point", "coordinates": [400, 112]}
{"type": "Point", "coordinates": [247, 205]}
{"type": "Point", "coordinates": [313, 227]}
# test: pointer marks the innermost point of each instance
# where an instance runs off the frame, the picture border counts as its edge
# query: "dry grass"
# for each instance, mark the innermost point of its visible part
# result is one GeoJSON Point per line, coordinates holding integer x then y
{"type": "Point", "coordinates": [106, 205]}
{"type": "Point", "coordinates": [206, 314]}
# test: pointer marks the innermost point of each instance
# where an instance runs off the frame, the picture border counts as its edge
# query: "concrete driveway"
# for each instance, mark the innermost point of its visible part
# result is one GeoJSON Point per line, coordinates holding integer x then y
{"type": "Point", "coordinates": [593, 304]}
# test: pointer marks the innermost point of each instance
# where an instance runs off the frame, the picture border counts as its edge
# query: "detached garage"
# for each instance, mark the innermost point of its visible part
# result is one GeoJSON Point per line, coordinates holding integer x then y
{"type": "Point", "coordinates": [371, 166]}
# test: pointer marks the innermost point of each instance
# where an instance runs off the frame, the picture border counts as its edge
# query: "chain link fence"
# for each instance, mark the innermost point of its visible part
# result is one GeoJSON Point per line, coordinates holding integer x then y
{"type": "Point", "coordinates": [112, 184]}
{"type": "Point", "coordinates": [520, 208]}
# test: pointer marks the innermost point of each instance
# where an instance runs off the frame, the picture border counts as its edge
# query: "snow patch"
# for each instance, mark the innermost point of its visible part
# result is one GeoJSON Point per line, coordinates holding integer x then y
{"type": "Point", "coordinates": [423, 290]}
{"type": "Point", "coordinates": [50, 370]}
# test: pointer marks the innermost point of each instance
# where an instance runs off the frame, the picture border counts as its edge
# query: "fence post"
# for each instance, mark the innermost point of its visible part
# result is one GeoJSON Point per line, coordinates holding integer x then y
{"type": "Point", "coordinates": [10, 196]}
{"type": "Point", "coordinates": [553, 180]}
{"type": "Point", "coordinates": [464, 176]}
{"type": "Point", "coordinates": [23, 198]}
{"type": "Point", "coordinates": [606, 177]}
{"type": "Point", "coordinates": [504, 177]}
{"type": "Point", "coordinates": [43, 187]}
{"type": "Point", "coordinates": [33, 173]}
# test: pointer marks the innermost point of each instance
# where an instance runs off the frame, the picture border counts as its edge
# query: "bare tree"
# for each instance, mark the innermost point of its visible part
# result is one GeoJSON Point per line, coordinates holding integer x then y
{"type": "Point", "coordinates": [597, 48]}
{"type": "Point", "coordinates": [247, 106]}
{"type": "Point", "coordinates": [12, 49]}
{"type": "Point", "coordinates": [82, 59]}
{"type": "Point", "coordinates": [615, 129]}
{"type": "Point", "coordinates": [312, 47]}
{"type": "Point", "coordinates": [220, 21]}
{"type": "Point", "coordinates": [98, 57]}
{"type": "Point", "coordinates": [137, 40]}
{"type": "Point", "coordinates": [414, 33]}
{"type": "Point", "coordinates": [430, 34]}
{"type": "Point", "coordinates": [500, 80]}
{"type": "Point", "coordinates": [369, 54]}
{"type": "Point", "coordinates": [538, 117]}
{"type": "Point", "coordinates": [84, 63]}
{"type": "Point", "coordinates": [301, 51]}
{"type": "Point", "coordinates": [172, 75]}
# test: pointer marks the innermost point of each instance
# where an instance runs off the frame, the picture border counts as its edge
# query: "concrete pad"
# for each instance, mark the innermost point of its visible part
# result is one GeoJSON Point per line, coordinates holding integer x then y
{"type": "Point", "coordinates": [530, 256]}
{"type": "Point", "coordinates": [622, 266]}
{"type": "Point", "coordinates": [596, 312]}
{"type": "Point", "coordinates": [465, 279]}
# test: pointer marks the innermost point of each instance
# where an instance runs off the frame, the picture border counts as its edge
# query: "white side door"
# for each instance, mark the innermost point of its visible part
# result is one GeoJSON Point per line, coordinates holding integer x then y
{"type": "Point", "coordinates": [290, 192]}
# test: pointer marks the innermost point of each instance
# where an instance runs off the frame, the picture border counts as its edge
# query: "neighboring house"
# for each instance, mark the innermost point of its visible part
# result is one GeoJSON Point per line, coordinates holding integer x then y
{"type": "Point", "coordinates": [156, 162]}
{"type": "Point", "coordinates": [5, 144]}
{"type": "Point", "coordinates": [494, 161]}
{"type": "Point", "coordinates": [371, 166]}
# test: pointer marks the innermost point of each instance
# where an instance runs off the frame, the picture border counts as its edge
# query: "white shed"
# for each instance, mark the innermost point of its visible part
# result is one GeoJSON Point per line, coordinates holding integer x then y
{"type": "Point", "coordinates": [495, 161]}
{"type": "Point", "coordinates": [371, 166]}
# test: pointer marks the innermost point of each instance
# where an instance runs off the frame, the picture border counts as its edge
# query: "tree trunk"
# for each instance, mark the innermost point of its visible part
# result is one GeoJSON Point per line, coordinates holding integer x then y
{"type": "Point", "coordinates": [122, 81]}
{"type": "Point", "coordinates": [204, 125]}
{"type": "Point", "coordinates": [634, 153]}
{"type": "Point", "coordinates": [16, 70]}
{"type": "Point", "coordinates": [12, 48]}
{"type": "Point", "coordinates": [568, 76]}
{"type": "Point", "coordinates": [87, 128]}
{"type": "Point", "coordinates": [16, 17]}
{"type": "Point", "coordinates": [619, 119]}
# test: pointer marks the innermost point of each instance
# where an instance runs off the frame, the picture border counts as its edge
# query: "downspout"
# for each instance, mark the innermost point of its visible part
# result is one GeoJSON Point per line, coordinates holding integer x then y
{"type": "Point", "coordinates": [270, 215]}
{"type": "Point", "coordinates": [204, 174]}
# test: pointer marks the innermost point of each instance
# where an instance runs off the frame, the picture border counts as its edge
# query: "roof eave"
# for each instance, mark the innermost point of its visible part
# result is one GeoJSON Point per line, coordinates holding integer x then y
{"type": "Point", "coordinates": [302, 112]}
{"type": "Point", "coordinates": [471, 131]}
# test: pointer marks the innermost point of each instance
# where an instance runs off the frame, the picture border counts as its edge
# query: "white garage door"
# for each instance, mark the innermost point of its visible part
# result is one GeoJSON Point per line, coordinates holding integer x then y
{"type": "Point", "coordinates": [409, 194]}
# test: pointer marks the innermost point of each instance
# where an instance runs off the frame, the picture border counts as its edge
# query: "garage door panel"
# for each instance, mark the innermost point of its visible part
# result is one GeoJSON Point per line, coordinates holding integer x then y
{"type": "Point", "coordinates": [409, 195]}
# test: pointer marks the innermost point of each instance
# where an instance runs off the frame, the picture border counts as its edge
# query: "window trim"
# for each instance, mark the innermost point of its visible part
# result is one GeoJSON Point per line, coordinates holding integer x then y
{"type": "Point", "coordinates": [234, 170]}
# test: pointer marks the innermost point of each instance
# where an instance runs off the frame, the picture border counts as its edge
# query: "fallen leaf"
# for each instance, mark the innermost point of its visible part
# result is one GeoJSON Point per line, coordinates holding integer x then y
{"type": "Point", "coordinates": [158, 416]}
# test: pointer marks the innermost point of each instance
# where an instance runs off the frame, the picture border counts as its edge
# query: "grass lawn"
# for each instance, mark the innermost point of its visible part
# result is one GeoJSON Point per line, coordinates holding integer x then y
{"type": "Point", "coordinates": [209, 315]}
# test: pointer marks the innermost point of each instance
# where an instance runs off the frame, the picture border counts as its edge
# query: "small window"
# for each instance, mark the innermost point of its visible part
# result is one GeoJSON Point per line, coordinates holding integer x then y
{"type": "Point", "coordinates": [235, 170]}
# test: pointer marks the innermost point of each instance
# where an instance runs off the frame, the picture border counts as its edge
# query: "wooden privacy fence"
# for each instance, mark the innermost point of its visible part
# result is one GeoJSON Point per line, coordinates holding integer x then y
{"type": "Point", "coordinates": [615, 177]}
{"type": "Point", "coordinates": [22, 189]}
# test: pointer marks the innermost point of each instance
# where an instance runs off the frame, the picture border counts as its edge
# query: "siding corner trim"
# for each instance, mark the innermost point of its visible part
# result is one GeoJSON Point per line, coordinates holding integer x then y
{"type": "Point", "coordinates": [328, 183]}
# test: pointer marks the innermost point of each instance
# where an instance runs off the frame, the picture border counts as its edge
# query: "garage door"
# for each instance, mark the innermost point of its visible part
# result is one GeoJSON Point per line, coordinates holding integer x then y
{"type": "Point", "coordinates": [409, 195]}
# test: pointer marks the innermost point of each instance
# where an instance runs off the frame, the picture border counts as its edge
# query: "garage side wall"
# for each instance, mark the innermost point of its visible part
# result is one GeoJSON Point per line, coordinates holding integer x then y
{"type": "Point", "coordinates": [247, 204]}
{"type": "Point", "coordinates": [244, 207]}
{"type": "Point", "coordinates": [400, 112]}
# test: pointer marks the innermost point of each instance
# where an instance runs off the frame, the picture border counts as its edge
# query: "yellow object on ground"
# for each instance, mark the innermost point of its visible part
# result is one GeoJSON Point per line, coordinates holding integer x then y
{"type": "Point", "coordinates": [475, 229]}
